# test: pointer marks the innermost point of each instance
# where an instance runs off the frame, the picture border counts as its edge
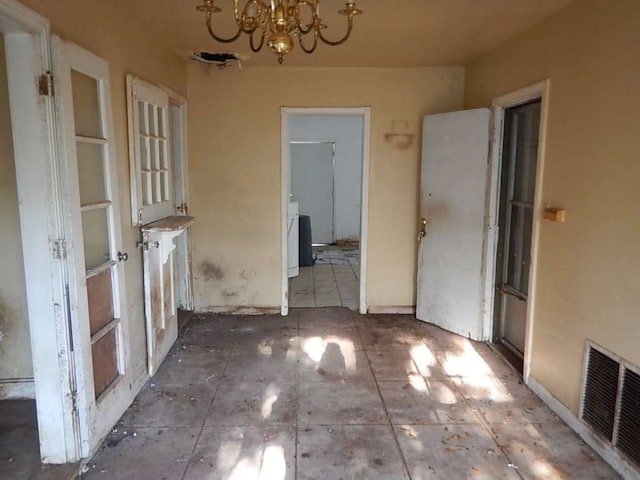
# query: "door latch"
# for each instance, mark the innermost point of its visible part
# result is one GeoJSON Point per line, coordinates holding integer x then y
{"type": "Point", "coordinates": [423, 229]}
{"type": "Point", "coordinates": [147, 245]}
{"type": "Point", "coordinates": [123, 256]}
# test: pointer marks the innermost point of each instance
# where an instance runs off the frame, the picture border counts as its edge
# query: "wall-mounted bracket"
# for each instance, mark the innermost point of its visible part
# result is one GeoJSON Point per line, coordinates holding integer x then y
{"type": "Point", "coordinates": [162, 233]}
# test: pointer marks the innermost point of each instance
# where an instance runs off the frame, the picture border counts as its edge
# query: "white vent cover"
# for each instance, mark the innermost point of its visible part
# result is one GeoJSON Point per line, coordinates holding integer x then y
{"type": "Point", "coordinates": [611, 401]}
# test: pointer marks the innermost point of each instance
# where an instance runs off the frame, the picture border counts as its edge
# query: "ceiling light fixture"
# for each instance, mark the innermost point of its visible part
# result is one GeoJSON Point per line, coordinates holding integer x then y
{"type": "Point", "coordinates": [277, 22]}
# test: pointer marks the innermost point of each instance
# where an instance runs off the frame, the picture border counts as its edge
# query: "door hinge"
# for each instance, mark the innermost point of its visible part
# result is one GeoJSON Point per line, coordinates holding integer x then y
{"type": "Point", "coordinates": [59, 249]}
{"type": "Point", "coordinates": [74, 401]}
{"type": "Point", "coordinates": [45, 85]}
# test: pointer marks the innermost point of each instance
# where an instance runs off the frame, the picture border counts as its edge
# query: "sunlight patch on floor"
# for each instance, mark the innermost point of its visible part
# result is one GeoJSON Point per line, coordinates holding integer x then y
{"type": "Point", "coordinates": [271, 396]}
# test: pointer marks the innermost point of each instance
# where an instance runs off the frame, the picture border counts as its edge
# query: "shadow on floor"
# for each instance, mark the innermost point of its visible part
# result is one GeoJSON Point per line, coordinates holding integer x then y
{"type": "Point", "coordinates": [19, 446]}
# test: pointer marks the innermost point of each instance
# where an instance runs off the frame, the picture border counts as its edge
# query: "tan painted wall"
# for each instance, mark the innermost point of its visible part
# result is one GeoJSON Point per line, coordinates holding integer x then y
{"type": "Point", "coordinates": [15, 346]}
{"type": "Point", "coordinates": [100, 28]}
{"type": "Point", "coordinates": [234, 145]}
{"type": "Point", "coordinates": [588, 282]}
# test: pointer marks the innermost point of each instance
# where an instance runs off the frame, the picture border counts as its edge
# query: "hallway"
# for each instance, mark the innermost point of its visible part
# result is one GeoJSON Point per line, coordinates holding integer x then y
{"type": "Point", "coordinates": [333, 281]}
{"type": "Point", "coordinates": [329, 394]}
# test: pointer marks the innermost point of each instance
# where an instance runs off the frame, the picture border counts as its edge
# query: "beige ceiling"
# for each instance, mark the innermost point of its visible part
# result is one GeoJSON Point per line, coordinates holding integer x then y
{"type": "Point", "coordinates": [391, 33]}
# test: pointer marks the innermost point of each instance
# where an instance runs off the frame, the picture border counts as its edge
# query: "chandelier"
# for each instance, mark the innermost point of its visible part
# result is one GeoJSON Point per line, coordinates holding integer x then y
{"type": "Point", "coordinates": [277, 22]}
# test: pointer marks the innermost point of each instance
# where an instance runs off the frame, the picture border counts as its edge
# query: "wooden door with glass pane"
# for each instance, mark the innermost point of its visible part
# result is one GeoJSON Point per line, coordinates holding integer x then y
{"type": "Point", "coordinates": [96, 273]}
{"type": "Point", "coordinates": [153, 209]}
{"type": "Point", "coordinates": [518, 181]}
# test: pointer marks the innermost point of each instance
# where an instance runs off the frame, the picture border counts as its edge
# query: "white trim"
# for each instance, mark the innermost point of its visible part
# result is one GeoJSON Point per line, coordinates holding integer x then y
{"type": "Point", "coordinates": [603, 449]}
{"type": "Point", "coordinates": [181, 191]}
{"type": "Point", "coordinates": [16, 18]}
{"type": "Point", "coordinates": [365, 112]}
{"type": "Point", "coordinates": [539, 90]}
{"type": "Point", "coordinates": [17, 389]}
{"type": "Point", "coordinates": [40, 199]}
{"type": "Point", "coordinates": [284, 206]}
{"type": "Point", "coordinates": [392, 310]}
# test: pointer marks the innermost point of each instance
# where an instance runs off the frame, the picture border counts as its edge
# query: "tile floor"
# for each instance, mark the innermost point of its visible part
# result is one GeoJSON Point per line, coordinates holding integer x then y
{"type": "Point", "coordinates": [331, 282]}
{"type": "Point", "coordinates": [328, 394]}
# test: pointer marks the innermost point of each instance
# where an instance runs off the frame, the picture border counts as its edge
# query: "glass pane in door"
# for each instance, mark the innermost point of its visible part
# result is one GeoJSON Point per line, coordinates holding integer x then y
{"type": "Point", "coordinates": [91, 173]}
{"type": "Point", "coordinates": [86, 105]}
{"type": "Point", "coordinates": [95, 236]}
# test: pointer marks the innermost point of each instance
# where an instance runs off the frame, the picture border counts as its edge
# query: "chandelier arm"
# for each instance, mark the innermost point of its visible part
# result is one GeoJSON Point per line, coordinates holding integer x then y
{"type": "Point", "coordinates": [220, 39]}
{"type": "Point", "coordinates": [252, 45]}
{"type": "Point", "coordinates": [313, 47]}
{"type": "Point", "coordinates": [342, 40]}
{"type": "Point", "coordinates": [313, 7]}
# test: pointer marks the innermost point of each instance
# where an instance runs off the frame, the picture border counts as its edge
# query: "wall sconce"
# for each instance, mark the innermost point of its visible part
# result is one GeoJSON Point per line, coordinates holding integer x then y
{"type": "Point", "coordinates": [400, 135]}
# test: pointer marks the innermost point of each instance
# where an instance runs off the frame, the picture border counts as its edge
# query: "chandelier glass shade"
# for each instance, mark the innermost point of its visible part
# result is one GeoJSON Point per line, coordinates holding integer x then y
{"type": "Point", "coordinates": [277, 22]}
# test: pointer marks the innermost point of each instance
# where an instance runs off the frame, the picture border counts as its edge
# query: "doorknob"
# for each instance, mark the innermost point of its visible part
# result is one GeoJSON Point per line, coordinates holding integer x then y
{"type": "Point", "coordinates": [423, 229]}
{"type": "Point", "coordinates": [123, 256]}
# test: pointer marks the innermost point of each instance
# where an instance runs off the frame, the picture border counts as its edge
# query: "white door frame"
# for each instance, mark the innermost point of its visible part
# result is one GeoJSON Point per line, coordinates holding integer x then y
{"type": "Point", "coordinates": [43, 235]}
{"type": "Point", "coordinates": [181, 195]}
{"type": "Point", "coordinates": [540, 91]}
{"type": "Point", "coordinates": [285, 113]}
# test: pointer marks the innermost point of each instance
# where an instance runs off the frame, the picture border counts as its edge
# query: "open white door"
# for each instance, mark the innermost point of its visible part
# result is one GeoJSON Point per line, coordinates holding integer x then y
{"type": "Point", "coordinates": [152, 160]}
{"type": "Point", "coordinates": [452, 202]}
{"type": "Point", "coordinates": [97, 293]}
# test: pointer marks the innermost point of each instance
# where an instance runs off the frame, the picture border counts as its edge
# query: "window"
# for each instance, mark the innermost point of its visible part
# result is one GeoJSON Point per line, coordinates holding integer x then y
{"type": "Point", "coordinates": [149, 152]}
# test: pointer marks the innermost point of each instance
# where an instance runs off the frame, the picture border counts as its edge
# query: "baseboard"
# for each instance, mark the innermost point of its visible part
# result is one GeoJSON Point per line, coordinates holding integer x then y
{"type": "Point", "coordinates": [17, 389]}
{"type": "Point", "coordinates": [613, 458]}
{"type": "Point", "coordinates": [241, 310]}
{"type": "Point", "coordinates": [392, 309]}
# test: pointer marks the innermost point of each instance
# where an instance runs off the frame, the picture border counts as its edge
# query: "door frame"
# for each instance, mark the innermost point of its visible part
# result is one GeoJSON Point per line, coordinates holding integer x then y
{"type": "Point", "coordinates": [181, 195]}
{"type": "Point", "coordinates": [526, 94]}
{"type": "Point", "coordinates": [285, 113]}
{"type": "Point", "coordinates": [39, 166]}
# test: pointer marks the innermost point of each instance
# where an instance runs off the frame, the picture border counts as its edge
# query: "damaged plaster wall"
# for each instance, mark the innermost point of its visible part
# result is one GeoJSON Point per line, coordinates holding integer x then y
{"type": "Point", "coordinates": [234, 145]}
{"type": "Point", "coordinates": [15, 346]}
{"type": "Point", "coordinates": [588, 285]}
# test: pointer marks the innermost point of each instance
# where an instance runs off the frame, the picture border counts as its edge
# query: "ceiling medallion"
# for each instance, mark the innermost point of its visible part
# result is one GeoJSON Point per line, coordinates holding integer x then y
{"type": "Point", "coordinates": [277, 22]}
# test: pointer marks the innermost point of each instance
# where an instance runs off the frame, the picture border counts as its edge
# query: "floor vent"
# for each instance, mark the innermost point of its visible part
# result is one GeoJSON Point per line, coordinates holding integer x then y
{"type": "Point", "coordinates": [611, 401]}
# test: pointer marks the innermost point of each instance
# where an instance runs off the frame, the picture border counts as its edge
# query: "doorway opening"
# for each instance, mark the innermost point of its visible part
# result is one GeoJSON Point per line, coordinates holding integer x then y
{"type": "Point", "coordinates": [514, 201]}
{"type": "Point", "coordinates": [515, 220]}
{"type": "Point", "coordinates": [325, 165]}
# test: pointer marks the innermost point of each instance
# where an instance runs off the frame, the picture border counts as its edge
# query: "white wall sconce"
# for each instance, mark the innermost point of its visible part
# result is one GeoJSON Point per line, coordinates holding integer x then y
{"type": "Point", "coordinates": [400, 135]}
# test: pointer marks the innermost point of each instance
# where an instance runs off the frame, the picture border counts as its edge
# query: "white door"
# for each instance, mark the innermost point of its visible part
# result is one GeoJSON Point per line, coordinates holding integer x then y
{"type": "Point", "coordinates": [452, 201]}
{"type": "Point", "coordinates": [97, 290]}
{"type": "Point", "coordinates": [312, 186]}
{"type": "Point", "coordinates": [152, 159]}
